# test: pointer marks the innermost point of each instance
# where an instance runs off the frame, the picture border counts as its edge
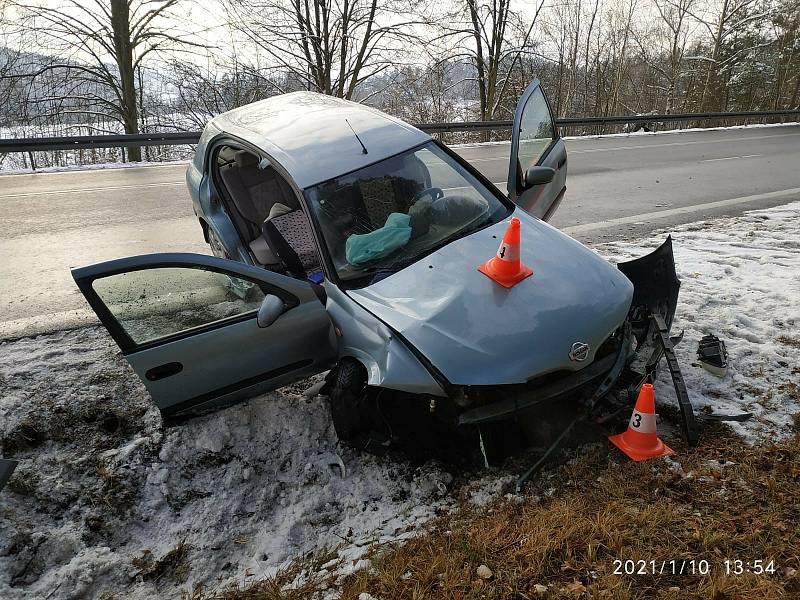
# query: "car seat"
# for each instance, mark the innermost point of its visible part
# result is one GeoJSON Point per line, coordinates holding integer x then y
{"type": "Point", "coordinates": [394, 192]}
{"type": "Point", "coordinates": [289, 237]}
{"type": "Point", "coordinates": [260, 195]}
{"type": "Point", "coordinates": [253, 192]}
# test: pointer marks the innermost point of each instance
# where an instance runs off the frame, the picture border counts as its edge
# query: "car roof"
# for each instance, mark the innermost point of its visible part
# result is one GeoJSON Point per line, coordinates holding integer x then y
{"type": "Point", "coordinates": [308, 134]}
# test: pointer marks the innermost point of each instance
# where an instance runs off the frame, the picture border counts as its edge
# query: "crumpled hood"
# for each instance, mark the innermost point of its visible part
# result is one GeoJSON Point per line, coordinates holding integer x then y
{"type": "Point", "coordinates": [477, 332]}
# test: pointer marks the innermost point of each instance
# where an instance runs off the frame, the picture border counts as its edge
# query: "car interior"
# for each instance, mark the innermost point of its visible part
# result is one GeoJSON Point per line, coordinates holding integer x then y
{"type": "Point", "coordinates": [363, 216]}
{"type": "Point", "coordinates": [381, 216]}
{"type": "Point", "coordinates": [362, 202]}
{"type": "Point", "coordinates": [267, 214]}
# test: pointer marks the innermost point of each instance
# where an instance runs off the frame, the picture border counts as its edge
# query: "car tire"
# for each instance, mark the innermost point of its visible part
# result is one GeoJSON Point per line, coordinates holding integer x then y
{"type": "Point", "coordinates": [347, 396]}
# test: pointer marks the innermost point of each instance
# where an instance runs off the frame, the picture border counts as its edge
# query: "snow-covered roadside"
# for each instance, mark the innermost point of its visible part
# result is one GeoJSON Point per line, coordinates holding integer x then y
{"type": "Point", "coordinates": [245, 488]}
{"type": "Point", "coordinates": [101, 483]}
{"type": "Point", "coordinates": [740, 280]}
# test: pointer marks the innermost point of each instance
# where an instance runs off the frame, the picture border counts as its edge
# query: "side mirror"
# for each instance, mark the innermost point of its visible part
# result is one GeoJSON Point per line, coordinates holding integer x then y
{"type": "Point", "coordinates": [539, 176]}
{"type": "Point", "coordinates": [271, 308]}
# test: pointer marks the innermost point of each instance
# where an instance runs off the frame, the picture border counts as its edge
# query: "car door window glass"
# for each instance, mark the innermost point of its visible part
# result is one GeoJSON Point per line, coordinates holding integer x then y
{"type": "Point", "coordinates": [154, 303]}
{"type": "Point", "coordinates": [536, 130]}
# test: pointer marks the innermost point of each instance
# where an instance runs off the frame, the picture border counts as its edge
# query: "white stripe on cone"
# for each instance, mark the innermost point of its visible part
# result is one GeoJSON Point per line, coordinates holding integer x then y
{"type": "Point", "coordinates": [508, 252]}
{"type": "Point", "coordinates": [643, 422]}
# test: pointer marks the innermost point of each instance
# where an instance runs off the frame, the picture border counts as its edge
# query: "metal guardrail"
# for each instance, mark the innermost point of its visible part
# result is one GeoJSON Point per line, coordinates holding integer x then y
{"type": "Point", "coordinates": [464, 126]}
{"type": "Point", "coordinates": [191, 137]}
{"type": "Point", "coordinates": [79, 142]}
{"type": "Point", "coordinates": [711, 116]}
{"type": "Point", "coordinates": [619, 119]}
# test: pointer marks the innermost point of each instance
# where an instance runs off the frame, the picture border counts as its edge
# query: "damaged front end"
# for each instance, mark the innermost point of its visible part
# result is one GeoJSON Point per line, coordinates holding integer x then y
{"type": "Point", "coordinates": [655, 299]}
{"type": "Point", "coordinates": [628, 358]}
{"type": "Point", "coordinates": [622, 328]}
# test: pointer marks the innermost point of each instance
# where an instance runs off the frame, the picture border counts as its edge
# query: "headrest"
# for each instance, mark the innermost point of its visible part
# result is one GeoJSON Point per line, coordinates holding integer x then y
{"type": "Point", "coordinates": [278, 210]}
{"type": "Point", "coordinates": [244, 158]}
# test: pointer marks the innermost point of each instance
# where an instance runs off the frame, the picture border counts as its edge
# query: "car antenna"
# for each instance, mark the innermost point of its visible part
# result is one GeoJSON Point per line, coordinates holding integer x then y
{"type": "Point", "coordinates": [363, 147]}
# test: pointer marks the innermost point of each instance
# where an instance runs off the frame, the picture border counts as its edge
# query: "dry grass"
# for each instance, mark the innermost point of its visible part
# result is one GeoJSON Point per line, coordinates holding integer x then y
{"type": "Point", "coordinates": [173, 565]}
{"type": "Point", "coordinates": [301, 580]}
{"type": "Point", "coordinates": [789, 341]}
{"type": "Point", "coordinates": [726, 500]}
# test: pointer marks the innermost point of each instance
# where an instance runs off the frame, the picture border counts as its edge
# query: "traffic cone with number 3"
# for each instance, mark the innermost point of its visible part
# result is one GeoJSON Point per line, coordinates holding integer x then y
{"type": "Point", "coordinates": [641, 441]}
{"type": "Point", "coordinates": [505, 267]}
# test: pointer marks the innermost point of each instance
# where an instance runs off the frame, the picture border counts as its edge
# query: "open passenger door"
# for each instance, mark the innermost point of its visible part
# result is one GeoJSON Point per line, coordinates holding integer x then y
{"type": "Point", "coordinates": [537, 171]}
{"type": "Point", "coordinates": [203, 332]}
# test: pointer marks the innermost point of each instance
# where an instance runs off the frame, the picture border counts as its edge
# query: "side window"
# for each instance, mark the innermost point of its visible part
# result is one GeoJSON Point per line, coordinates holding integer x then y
{"type": "Point", "coordinates": [536, 130]}
{"type": "Point", "coordinates": [155, 303]}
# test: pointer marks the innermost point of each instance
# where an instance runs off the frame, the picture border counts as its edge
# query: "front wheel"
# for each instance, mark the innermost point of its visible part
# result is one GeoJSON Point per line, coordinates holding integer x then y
{"type": "Point", "coordinates": [346, 391]}
{"type": "Point", "coordinates": [353, 410]}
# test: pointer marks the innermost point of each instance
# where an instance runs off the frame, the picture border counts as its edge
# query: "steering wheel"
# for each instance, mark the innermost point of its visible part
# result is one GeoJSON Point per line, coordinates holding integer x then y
{"type": "Point", "coordinates": [434, 192]}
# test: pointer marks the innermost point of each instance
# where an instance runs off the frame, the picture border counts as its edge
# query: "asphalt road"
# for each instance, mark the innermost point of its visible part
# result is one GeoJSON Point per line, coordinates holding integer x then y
{"type": "Point", "coordinates": [617, 187]}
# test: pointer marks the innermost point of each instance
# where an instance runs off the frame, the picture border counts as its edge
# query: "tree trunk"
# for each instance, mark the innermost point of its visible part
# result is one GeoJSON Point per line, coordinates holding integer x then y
{"type": "Point", "coordinates": [120, 22]}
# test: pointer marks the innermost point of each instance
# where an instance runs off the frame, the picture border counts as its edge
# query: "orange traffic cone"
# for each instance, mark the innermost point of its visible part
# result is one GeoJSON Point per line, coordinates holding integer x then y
{"type": "Point", "coordinates": [641, 441]}
{"type": "Point", "coordinates": [505, 267]}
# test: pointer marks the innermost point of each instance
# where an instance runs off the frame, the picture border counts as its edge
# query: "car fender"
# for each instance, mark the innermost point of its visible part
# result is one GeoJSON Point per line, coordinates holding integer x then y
{"type": "Point", "coordinates": [389, 363]}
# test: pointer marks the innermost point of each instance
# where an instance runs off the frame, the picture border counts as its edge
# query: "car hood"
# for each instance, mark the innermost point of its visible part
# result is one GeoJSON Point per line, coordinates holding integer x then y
{"type": "Point", "coordinates": [476, 332]}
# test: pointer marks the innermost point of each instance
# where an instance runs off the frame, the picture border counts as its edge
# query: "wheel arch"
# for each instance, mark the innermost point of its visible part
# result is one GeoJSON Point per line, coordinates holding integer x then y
{"type": "Point", "coordinates": [204, 227]}
{"type": "Point", "coordinates": [373, 370]}
{"type": "Point", "coordinates": [362, 336]}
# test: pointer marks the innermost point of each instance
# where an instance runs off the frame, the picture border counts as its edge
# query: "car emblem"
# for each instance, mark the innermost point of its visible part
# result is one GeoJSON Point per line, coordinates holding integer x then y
{"type": "Point", "coordinates": [579, 351]}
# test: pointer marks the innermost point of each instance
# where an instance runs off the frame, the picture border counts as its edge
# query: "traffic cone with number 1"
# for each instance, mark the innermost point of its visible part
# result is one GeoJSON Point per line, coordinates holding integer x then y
{"type": "Point", "coordinates": [505, 267]}
{"type": "Point", "coordinates": [641, 441]}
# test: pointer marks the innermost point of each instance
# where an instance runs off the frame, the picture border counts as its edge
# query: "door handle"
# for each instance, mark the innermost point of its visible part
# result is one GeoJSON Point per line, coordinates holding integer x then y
{"type": "Point", "coordinates": [162, 371]}
{"type": "Point", "coordinates": [562, 161]}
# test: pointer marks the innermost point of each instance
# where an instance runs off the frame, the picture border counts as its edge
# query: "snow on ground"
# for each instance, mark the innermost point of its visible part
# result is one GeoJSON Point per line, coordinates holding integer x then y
{"type": "Point", "coordinates": [740, 280]}
{"type": "Point", "coordinates": [103, 491]}
{"type": "Point", "coordinates": [245, 488]}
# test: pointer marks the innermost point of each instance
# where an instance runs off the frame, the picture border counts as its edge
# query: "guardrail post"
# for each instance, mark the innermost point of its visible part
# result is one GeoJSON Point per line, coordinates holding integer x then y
{"type": "Point", "coordinates": [33, 162]}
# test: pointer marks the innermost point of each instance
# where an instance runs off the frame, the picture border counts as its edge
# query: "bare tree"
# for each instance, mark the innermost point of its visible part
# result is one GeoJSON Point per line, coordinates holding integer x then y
{"type": "Point", "coordinates": [726, 20]}
{"type": "Point", "coordinates": [203, 92]}
{"type": "Point", "coordinates": [483, 32]}
{"type": "Point", "coordinates": [101, 46]}
{"type": "Point", "coordinates": [663, 46]}
{"type": "Point", "coordinates": [330, 46]}
{"type": "Point", "coordinates": [785, 24]}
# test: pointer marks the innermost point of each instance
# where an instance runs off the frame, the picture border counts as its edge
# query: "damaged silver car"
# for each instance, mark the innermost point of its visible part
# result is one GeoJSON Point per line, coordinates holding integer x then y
{"type": "Point", "coordinates": [347, 240]}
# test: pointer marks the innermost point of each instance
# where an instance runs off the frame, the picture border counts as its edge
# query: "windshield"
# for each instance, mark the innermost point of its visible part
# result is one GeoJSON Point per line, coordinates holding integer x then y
{"type": "Point", "coordinates": [385, 216]}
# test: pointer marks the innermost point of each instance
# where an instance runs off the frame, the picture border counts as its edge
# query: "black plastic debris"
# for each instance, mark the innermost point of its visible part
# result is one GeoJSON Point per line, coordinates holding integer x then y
{"type": "Point", "coordinates": [712, 355]}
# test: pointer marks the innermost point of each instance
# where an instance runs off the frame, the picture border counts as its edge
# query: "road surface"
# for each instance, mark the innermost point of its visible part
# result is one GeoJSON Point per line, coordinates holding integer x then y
{"type": "Point", "coordinates": [617, 187]}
